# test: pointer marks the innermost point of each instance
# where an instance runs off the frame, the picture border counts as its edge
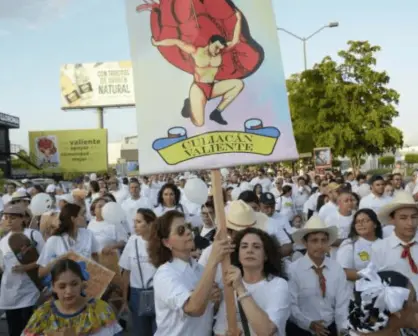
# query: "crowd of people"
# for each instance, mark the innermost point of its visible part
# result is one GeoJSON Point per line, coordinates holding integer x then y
{"type": "Point", "coordinates": [319, 255]}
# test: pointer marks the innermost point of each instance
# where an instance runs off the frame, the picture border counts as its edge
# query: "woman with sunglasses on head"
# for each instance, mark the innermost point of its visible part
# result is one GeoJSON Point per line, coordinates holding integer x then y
{"type": "Point", "coordinates": [68, 237]}
{"type": "Point", "coordinates": [184, 290]}
{"type": "Point", "coordinates": [71, 312]}
{"type": "Point", "coordinates": [18, 293]}
{"type": "Point", "coordinates": [262, 295]}
{"type": "Point", "coordinates": [354, 253]}
{"type": "Point", "coordinates": [138, 272]}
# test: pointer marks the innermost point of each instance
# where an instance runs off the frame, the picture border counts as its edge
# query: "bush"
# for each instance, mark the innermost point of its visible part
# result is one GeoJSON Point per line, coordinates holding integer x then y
{"type": "Point", "coordinates": [411, 158]}
{"type": "Point", "coordinates": [386, 160]}
{"type": "Point", "coordinates": [379, 171]}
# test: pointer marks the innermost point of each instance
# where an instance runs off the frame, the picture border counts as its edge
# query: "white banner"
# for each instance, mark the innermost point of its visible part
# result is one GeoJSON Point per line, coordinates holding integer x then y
{"type": "Point", "coordinates": [97, 85]}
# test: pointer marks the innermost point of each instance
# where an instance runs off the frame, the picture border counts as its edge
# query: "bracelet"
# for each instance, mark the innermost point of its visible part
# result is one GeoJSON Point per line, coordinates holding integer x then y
{"type": "Point", "coordinates": [243, 296]}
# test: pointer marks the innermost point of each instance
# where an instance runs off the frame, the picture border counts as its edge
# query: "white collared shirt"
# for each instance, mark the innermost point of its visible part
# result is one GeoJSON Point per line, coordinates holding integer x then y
{"type": "Point", "coordinates": [174, 283]}
{"type": "Point", "coordinates": [328, 209]}
{"type": "Point", "coordinates": [307, 302]}
{"type": "Point", "coordinates": [371, 201]}
{"type": "Point", "coordinates": [386, 255]}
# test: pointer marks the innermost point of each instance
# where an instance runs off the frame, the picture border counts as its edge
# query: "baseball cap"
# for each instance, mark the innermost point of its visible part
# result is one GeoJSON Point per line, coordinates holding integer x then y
{"type": "Point", "coordinates": [15, 209]}
{"type": "Point", "coordinates": [333, 186]}
{"type": "Point", "coordinates": [66, 197]}
{"type": "Point", "coordinates": [267, 198]}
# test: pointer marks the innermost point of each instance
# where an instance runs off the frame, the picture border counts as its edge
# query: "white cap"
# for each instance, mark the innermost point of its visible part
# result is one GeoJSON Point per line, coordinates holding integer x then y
{"type": "Point", "coordinates": [50, 188]}
{"type": "Point", "coordinates": [25, 181]}
{"type": "Point", "coordinates": [93, 177]}
{"type": "Point", "coordinates": [66, 197]}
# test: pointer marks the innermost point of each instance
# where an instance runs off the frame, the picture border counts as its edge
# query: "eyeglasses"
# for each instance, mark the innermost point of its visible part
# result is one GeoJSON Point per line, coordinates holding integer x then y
{"type": "Point", "coordinates": [181, 229]}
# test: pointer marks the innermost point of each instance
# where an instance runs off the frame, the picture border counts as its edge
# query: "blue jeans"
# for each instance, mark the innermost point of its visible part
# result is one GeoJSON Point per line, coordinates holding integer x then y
{"type": "Point", "coordinates": [141, 325]}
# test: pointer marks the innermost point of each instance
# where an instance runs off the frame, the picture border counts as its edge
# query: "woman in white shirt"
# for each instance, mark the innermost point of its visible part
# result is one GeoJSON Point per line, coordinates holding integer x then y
{"type": "Point", "coordinates": [138, 271]}
{"type": "Point", "coordinates": [18, 294]}
{"type": "Point", "coordinates": [284, 203]}
{"type": "Point", "coordinates": [184, 290]}
{"type": "Point", "coordinates": [67, 237]}
{"type": "Point", "coordinates": [262, 295]}
{"type": "Point", "coordinates": [168, 199]}
{"type": "Point", "coordinates": [354, 253]}
{"type": "Point", "coordinates": [109, 236]}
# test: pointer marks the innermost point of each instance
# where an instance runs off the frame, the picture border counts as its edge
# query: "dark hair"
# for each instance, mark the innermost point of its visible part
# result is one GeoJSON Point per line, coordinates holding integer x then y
{"type": "Point", "coordinates": [65, 265]}
{"type": "Point", "coordinates": [148, 214]}
{"type": "Point", "coordinates": [249, 196]}
{"type": "Point", "coordinates": [110, 197]}
{"type": "Point", "coordinates": [157, 251]}
{"type": "Point", "coordinates": [208, 204]}
{"type": "Point", "coordinates": [286, 189]}
{"type": "Point", "coordinates": [357, 197]}
{"type": "Point", "coordinates": [66, 223]}
{"type": "Point", "coordinates": [218, 38]}
{"type": "Point", "coordinates": [258, 185]}
{"type": "Point", "coordinates": [363, 316]}
{"type": "Point", "coordinates": [320, 202]}
{"type": "Point", "coordinates": [176, 191]}
{"type": "Point", "coordinates": [272, 264]}
{"type": "Point", "coordinates": [94, 203]}
{"type": "Point", "coordinates": [95, 186]}
{"type": "Point", "coordinates": [378, 231]}
{"type": "Point", "coordinates": [37, 187]}
{"type": "Point", "coordinates": [125, 180]}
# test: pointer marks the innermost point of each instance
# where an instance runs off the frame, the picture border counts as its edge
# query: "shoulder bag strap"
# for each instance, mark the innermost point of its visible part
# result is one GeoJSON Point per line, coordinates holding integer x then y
{"type": "Point", "coordinates": [65, 244]}
{"type": "Point", "coordinates": [244, 321]}
{"type": "Point", "coordinates": [33, 241]}
{"type": "Point", "coordinates": [139, 264]}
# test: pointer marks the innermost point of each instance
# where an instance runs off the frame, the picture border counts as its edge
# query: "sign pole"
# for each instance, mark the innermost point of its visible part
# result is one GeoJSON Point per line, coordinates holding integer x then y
{"type": "Point", "coordinates": [100, 117]}
{"type": "Point", "coordinates": [231, 310]}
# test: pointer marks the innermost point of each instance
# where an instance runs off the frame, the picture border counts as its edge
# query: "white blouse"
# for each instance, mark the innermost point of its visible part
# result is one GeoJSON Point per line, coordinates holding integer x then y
{"type": "Point", "coordinates": [272, 296]}
{"type": "Point", "coordinates": [17, 289]}
{"type": "Point", "coordinates": [174, 283]}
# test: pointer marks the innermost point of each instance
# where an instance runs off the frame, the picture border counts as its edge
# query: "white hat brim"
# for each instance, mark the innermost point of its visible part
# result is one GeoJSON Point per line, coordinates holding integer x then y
{"type": "Point", "coordinates": [385, 211]}
{"type": "Point", "coordinates": [332, 232]}
{"type": "Point", "coordinates": [260, 223]}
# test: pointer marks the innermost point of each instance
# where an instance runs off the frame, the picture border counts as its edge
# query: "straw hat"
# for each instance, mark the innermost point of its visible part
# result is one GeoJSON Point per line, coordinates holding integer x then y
{"type": "Point", "coordinates": [315, 224]}
{"type": "Point", "coordinates": [402, 199]}
{"type": "Point", "coordinates": [333, 186]}
{"type": "Point", "coordinates": [241, 216]}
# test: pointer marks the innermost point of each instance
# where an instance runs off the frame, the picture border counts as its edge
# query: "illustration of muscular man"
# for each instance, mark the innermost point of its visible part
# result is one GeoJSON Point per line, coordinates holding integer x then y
{"type": "Point", "coordinates": [207, 61]}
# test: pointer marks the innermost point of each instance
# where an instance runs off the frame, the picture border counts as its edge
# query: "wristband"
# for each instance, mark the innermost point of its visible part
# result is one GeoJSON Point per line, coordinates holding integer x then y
{"type": "Point", "coordinates": [243, 296]}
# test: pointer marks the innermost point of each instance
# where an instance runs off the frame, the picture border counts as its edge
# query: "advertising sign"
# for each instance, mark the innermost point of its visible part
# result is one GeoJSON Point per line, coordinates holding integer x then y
{"type": "Point", "coordinates": [9, 120]}
{"type": "Point", "coordinates": [70, 150]}
{"type": "Point", "coordinates": [209, 85]}
{"type": "Point", "coordinates": [96, 85]}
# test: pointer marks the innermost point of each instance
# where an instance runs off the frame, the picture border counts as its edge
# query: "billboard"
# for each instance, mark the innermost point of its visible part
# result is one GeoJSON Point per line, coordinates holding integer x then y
{"type": "Point", "coordinates": [91, 85]}
{"type": "Point", "coordinates": [209, 85]}
{"type": "Point", "coordinates": [70, 150]}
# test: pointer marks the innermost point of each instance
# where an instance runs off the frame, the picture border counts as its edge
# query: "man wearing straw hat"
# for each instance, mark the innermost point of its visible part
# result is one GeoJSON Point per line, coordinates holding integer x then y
{"type": "Point", "coordinates": [399, 251]}
{"type": "Point", "coordinates": [317, 284]}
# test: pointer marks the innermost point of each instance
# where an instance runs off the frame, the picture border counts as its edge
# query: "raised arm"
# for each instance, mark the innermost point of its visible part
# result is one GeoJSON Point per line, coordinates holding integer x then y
{"type": "Point", "coordinates": [187, 48]}
{"type": "Point", "coordinates": [237, 30]}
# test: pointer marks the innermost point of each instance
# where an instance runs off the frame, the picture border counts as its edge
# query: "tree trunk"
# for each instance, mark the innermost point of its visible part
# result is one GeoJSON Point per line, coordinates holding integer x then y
{"type": "Point", "coordinates": [355, 164]}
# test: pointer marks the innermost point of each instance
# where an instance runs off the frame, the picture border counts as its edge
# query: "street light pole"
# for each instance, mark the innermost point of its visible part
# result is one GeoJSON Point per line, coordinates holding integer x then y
{"type": "Point", "coordinates": [305, 39]}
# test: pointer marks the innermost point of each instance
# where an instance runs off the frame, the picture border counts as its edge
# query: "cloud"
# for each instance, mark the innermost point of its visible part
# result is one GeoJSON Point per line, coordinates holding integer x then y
{"type": "Point", "coordinates": [32, 12]}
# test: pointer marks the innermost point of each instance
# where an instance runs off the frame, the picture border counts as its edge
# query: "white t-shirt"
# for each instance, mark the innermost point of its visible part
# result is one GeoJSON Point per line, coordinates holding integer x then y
{"type": "Point", "coordinates": [128, 261]}
{"type": "Point", "coordinates": [131, 206]}
{"type": "Point", "coordinates": [265, 183]}
{"type": "Point", "coordinates": [107, 234]}
{"type": "Point", "coordinates": [85, 245]}
{"type": "Point", "coordinates": [174, 283]}
{"type": "Point", "coordinates": [271, 296]}
{"type": "Point", "coordinates": [286, 206]}
{"type": "Point", "coordinates": [275, 228]}
{"type": "Point", "coordinates": [17, 289]}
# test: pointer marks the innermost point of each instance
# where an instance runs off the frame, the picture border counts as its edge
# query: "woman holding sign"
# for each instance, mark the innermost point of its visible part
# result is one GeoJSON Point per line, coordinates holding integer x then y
{"type": "Point", "coordinates": [185, 291]}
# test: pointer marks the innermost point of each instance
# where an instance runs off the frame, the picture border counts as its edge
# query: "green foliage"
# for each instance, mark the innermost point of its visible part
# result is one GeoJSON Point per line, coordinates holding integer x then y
{"type": "Point", "coordinates": [386, 160]}
{"type": "Point", "coordinates": [411, 158]}
{"type": "Point", "coordinates": [19, 163]}
{"type": "Point", "coordinates": [346, 106]}
{"type": "Point", "coordinates": [336, 163]}
{"type": "Point", "coordinates": [379, 171]}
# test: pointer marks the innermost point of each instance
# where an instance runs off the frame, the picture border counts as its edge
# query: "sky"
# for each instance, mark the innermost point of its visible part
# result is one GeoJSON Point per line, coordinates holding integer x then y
{"type": "Point", "coordinates": [38, 36]}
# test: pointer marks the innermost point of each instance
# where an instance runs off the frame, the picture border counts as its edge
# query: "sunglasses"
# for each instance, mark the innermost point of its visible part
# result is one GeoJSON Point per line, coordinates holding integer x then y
{"type": "Point", "coordinates": [181, 229]}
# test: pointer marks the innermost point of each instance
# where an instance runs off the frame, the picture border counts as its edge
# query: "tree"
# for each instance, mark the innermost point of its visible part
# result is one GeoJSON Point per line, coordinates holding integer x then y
{"type": "Point", "coordinates": [345, 106]}
{"type": "Point", "coordinates": [386, 160]}
{"type": "Point", "coordinates": [19, 163]}
{"type": "Point", "coordinates": [411, 158]}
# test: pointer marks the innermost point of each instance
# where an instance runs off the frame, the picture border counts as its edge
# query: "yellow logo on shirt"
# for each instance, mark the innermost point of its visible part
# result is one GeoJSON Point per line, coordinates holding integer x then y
{"type": "Point", "coordinates": [364, 256]}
